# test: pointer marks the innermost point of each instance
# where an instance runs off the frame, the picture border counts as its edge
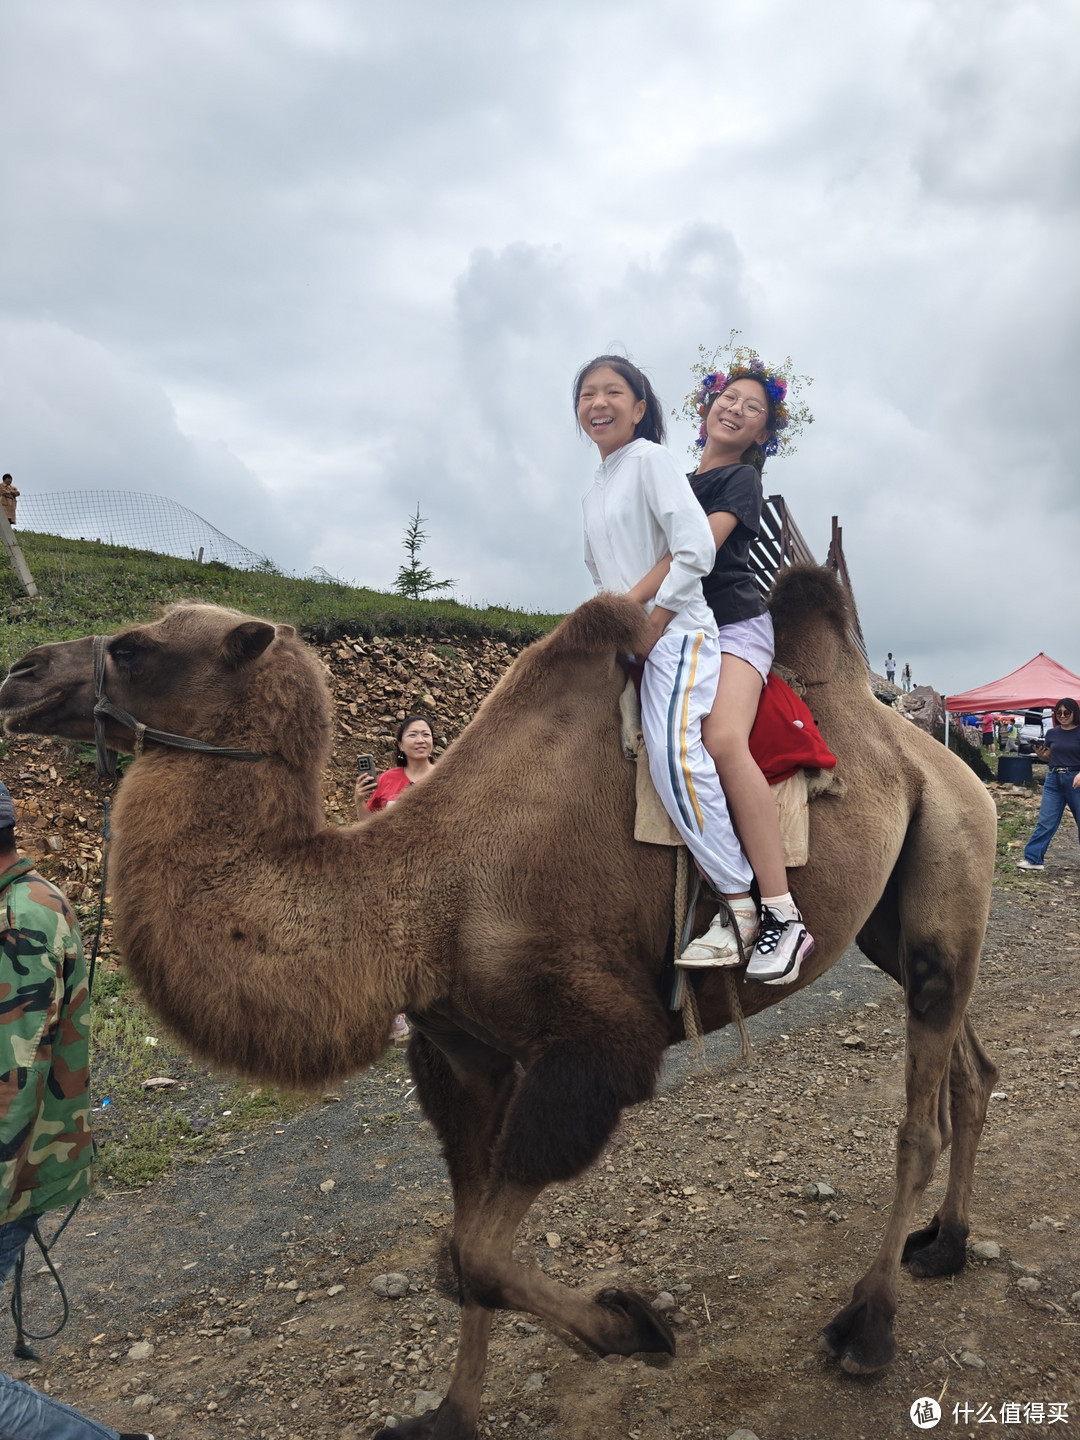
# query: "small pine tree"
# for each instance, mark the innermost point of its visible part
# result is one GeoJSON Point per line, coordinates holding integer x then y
{"type": "Point", "coordinates": [414, 580]}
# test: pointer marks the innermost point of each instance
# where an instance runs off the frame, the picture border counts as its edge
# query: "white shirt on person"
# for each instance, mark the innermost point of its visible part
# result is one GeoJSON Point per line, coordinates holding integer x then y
{"type": "Point", "coordinates": [639, 509]}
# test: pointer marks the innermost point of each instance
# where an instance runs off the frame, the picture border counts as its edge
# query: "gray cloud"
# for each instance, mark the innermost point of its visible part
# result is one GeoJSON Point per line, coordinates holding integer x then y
{"type": "Point", "coordinates": [310, 262]}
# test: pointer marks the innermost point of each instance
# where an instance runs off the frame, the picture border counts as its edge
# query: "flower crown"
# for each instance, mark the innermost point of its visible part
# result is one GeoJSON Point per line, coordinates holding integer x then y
{"type": "Point", "coordinates": [738, 362]}
{"type": "Point", "coordinates": [775, 387]}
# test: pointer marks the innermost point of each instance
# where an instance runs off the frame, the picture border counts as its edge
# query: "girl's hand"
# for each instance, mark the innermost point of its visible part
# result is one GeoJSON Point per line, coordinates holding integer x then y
{"type": "Point", "coordinates": [656, 624]}
{"type": "Point", "coordinates": [365, 788]}
{"type": "Point", "coordinates": [1076, 781]}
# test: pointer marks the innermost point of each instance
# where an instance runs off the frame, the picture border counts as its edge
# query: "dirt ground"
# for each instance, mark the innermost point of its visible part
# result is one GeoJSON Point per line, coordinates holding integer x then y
{"type": "Point", "coordinates": [236, 1296]}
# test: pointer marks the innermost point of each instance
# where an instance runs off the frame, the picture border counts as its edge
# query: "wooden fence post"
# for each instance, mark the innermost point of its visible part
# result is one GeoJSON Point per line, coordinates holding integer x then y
{"type": "Point", "coordinates": [15, 555]}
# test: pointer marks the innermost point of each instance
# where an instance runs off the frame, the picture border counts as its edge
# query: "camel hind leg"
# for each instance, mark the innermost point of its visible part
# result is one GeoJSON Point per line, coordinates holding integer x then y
{"type": "Point", "coordinates": [928, 931]}
{"type": "Point", "coordinates": [940, 1248]}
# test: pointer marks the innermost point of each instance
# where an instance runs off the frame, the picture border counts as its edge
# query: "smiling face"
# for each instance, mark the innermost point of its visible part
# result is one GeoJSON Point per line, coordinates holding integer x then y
{"type": "Point", "coordinates": [607, 409]}
{"type": "Point", "coordinates": [736, 419]}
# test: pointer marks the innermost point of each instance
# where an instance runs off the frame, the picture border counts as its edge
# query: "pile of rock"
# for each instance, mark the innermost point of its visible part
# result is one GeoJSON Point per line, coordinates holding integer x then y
{"type": "Point", "coordinates": [924, 706]}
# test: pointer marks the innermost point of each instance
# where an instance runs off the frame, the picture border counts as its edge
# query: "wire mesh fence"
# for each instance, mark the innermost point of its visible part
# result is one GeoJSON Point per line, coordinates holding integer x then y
{"type": "Point", "coordinates": [143, 522]}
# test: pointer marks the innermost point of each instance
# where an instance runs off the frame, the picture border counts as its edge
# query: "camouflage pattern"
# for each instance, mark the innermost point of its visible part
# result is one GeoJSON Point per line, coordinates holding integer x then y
{"type": "Point", "coordinates": [45, 1143]}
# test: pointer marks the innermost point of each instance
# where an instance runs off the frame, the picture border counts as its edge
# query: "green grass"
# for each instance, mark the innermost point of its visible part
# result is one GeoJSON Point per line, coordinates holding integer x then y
{"type": "Point", "coordinates": [141, 1135]}
{"type": "Point", "coordinates": [87, 587]}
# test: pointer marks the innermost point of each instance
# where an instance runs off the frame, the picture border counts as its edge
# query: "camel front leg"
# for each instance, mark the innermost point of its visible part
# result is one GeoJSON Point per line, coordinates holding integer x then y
{"type": "Point", "coordinates": [464, 1087]}
{"type": "Point", "coordinates": [457, 1416]}
{"type": "Point", "coordinates": [561, 1116]}
{"type": "Point", "coordinates": [612, 1322]}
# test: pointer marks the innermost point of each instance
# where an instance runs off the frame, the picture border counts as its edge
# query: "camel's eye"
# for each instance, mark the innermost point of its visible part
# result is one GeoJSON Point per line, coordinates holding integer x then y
{"type": "Point", "coordinates": [126, 654]}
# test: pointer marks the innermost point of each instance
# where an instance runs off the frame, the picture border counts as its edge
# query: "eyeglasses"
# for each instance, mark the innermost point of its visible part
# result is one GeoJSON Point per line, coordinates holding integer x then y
{"type": "Point", "coordinates": [1063, 710]}
{"type": "Point", "coordinates": [753, 408]}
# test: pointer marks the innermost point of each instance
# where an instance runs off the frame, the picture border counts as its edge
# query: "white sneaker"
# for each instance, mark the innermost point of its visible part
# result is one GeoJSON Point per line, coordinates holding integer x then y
{"type": "Point", "coordinates": [781, 948]}
{"type": "Point", "coordinates": [719, 947]}
{"type": "Point", "coordinates": [1026, 864]}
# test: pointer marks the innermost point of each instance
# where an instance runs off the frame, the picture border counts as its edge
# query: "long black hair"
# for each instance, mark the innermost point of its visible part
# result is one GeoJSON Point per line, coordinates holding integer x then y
{"type": "Point", "coordinates": [651, 424]}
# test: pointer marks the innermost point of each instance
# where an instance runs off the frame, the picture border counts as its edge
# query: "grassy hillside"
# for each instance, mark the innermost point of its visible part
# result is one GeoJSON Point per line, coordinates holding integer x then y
{"type": "Point", "coordinates": [90, 587]}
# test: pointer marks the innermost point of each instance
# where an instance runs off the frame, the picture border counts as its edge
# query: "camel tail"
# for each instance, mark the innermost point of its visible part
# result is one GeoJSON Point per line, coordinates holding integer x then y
{"type": "Point", "coordinates": [607, 622]}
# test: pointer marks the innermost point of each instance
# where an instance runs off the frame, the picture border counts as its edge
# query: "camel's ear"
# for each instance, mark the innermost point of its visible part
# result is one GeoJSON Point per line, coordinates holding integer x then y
{"type": "Point", "coordinates": [246, 643]}
{"type": "Point", "coordinates": [287, 632]}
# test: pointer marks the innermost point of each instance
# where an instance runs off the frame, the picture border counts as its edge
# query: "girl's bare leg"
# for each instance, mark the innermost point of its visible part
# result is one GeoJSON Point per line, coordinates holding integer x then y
{"type": "Point", "coordinates": [726, 733]}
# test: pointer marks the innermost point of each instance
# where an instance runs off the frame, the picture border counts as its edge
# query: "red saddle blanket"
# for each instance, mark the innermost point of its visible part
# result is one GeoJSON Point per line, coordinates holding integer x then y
{"type": "Point", "coordinates": [785, 739]}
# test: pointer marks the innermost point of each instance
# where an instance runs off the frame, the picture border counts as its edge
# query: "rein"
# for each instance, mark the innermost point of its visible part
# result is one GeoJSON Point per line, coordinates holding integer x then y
{"type": "Point", "coordinates": [103, 706]}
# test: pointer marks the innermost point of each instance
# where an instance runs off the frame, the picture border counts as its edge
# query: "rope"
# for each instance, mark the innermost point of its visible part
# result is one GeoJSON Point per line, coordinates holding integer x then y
{"type": "Point", "coordinates": [735, 1007]}
{"type": "Point", "coordinates": [692, 1025]}
{"type": "Point", "coordinates": [683, 995]}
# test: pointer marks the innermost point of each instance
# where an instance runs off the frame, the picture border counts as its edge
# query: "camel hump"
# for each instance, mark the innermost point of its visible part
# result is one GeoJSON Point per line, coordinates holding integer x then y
{"type": "Point", "coordinates": [607, 622]}
{"type": "Point", "coordinates": [801, 590]}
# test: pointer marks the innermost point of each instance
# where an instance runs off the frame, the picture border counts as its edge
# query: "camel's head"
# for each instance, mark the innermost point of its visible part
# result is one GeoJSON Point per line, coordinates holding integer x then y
{"type": "Point", "coordinates": [188, 673]}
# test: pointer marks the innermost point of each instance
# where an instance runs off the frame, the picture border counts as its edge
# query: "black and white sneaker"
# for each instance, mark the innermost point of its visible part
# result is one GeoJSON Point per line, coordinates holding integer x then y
{"type": "Point", "coordinates": [782, 946]}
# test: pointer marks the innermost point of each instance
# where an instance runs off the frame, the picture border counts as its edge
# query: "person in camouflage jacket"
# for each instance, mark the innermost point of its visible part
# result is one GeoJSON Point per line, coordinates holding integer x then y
{"type": "Point", "coordinates": [45, 1143]}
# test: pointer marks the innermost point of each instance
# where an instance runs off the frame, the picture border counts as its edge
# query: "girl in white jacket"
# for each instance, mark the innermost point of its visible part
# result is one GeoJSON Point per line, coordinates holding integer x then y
{"type": "Point", "coordinates": [639, 510]}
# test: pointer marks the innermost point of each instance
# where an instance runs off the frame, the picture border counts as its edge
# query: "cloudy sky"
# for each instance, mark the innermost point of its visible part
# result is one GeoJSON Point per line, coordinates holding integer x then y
{"type": "Point", "coordinates": [303, 264]}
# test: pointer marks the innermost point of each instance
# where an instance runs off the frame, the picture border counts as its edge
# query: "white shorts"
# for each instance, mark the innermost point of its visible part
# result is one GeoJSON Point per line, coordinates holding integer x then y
{"type": "Point", "coordinates": [752, 641]}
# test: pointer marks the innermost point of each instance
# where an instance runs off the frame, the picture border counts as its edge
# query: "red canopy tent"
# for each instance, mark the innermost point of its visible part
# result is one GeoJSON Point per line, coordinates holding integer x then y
{"type": "Point", "coordinates": [1038, 683]}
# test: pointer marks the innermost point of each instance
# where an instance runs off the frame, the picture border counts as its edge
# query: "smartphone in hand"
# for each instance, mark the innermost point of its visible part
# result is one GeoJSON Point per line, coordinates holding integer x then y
{"type": "Point", "coordinates": [365, 765]}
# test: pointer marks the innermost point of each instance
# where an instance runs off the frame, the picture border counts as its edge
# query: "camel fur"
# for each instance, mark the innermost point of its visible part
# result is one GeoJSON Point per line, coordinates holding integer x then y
{"type": "Point", "coordinates": [506, 908]}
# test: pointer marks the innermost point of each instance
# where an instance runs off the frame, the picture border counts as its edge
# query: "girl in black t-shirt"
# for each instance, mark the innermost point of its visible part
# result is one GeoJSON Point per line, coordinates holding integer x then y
{"type": "Point", "coordinates": [742, 412]}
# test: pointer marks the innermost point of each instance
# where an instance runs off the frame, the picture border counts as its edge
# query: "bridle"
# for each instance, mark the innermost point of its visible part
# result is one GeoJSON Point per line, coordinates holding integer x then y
{"type": "Point", "coordinates": [103, 706]}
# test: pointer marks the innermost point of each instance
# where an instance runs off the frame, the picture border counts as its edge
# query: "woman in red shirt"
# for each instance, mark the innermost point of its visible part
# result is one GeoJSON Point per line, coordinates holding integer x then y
{"type": "Point", "coordinates": [414, 758]}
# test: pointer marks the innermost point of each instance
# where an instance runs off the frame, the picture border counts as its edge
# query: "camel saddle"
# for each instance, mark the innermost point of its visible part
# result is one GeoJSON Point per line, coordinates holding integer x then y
{"type": "Point", "coordinates": [786, 744]}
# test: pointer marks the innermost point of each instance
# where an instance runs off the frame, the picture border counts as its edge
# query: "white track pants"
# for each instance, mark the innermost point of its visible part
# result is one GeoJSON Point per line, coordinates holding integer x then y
{"type": "Point", "coordinates": [677, 692]}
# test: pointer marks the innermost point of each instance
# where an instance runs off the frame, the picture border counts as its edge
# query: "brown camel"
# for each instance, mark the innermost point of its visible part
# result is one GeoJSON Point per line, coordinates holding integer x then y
{"type": "Point", "coordinates": [505, 906]}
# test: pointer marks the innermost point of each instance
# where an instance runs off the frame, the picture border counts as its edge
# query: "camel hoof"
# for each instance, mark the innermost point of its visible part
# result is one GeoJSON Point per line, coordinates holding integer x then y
{"type": "Point", "coordinates": [648, 1331]}
{"type": "Point", "coordinates": [424, 1427]}
{"type": "Point", "coordinates": [861, 1336]}
{"type": "Point", "coordinates": [920, 1239]}
{"type": "Point", "coordinates": [851, 1366]}
{"type": "Point", "coordinates": [935, 1250]}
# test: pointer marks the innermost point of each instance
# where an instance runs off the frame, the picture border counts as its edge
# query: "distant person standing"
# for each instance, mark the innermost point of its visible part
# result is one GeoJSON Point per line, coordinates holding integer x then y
{"type": "Point", "coordinates": [905, 676]}
{"type": "Point", "coordinates": [8, 498]}
{"type": "Point", "coordinates": [986, 725]}
{"type": "Point", "coordinates": [890, 668]}
{"type": "Point", "coordinates": [1061, 751]}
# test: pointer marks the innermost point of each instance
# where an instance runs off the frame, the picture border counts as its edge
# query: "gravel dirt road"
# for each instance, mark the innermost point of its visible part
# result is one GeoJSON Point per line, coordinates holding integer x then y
{"type": "Point", "coordinates": [241, 1295]}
